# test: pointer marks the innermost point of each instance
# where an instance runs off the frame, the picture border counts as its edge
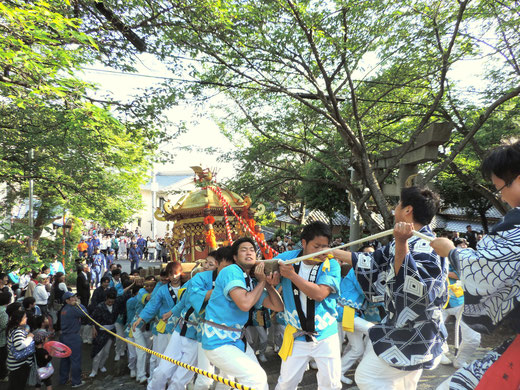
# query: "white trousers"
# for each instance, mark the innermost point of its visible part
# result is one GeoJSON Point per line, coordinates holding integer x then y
{"type": "Point", "coordinates": [101, 357]}
{"type": "Point", "coordinates": [160, 342]}
{"type": "Point", "coordinates": [143, 338]}
{"type": "Point", "coordinates": [325, 353]}
{"type": "Point", "coordinates": [239, 364]}
{"type": "Point", "coordinates": [470, 338]}
{"type": "Point", "coordinates": [120, 344]}
{"type": "Point", "coordinates": [86, 333]}
{"type": "Point", "coordinates": [356, 343]}
{"type": "Point", "coordinates": [132, 355]}
{"type": "Point", "coordinates": [374, 373]}
{"type": "Point", "coordinates": [257, 337]}
{"type": "Point", "coordinates": [278, 330]}
{"type": "Point", "coordinates": [179, 348]}
{"type": "Point", "coordinates": [202, 382]}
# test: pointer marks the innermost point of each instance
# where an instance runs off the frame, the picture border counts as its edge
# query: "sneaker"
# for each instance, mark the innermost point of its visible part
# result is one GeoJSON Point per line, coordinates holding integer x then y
{"type": "Point", "coordinates": [78, 385]}
{"type": "Point", "coordinates": [459, 364]}
{"type": "Point", "coordinates": [262, 358]}
{"type": "Point", "coordinates": [117, 357]}
{"type": "Point", "coordinates": [103, 369]}
{"type": "Point", "coordinates": [346, 380]}
{"type": "Point", "coordinates": [92, 374]}
{"type": "Point", "coordinates": [445, 360]}
{"type": "Point", "coordinates": [142, 380]}
{"type": "Point", "coordinates": [132, 373]}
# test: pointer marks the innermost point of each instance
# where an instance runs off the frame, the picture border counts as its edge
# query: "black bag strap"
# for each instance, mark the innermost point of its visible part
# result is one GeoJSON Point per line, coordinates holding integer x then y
{"type": "Point", "coordinates": [306, 321]}
{"type": "Point", "coordinates": [204, 304]}
{"type": "Point", "coordinates": [185, 322]}
{"type": "Point", "coordinates": [172, 293]}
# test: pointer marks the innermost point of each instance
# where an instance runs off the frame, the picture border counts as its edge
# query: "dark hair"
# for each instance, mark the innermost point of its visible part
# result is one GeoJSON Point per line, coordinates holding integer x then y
{"type": "Point", "coordinates": [240, 241]}
{"type": "Point", "coordinates": [224, 253]}
{"type": "Point", "coordinates": [135, 289]}
{"type": "Point", "coordinates": [365, 247]}
{"type": "Point", "coordinates": [57, 277]}
{"type": "Point", "coordinates": [316, 229]}
{"type": "Point", "coordinates": [14, 320]}
{"type": "Point", "coordinates": [2, 275]}
{"type": "Point", "coordinates": [35, 322]}
{"type": "Point", "coordinates": [5, 298]}
{"type": "Point", "coordinates": [111, 294]}
{"type": "Point", "coordinates": [116, 272]}
{"type": "Point", "coordinates": [212, 254]}
{"type": "Point", "coordinates": [105, 279]}
{"type": "Point", "coordinates": [425, 203]}
{"type": "Point", "coordinates": [126, 282]}
{"type": "Point", "coordinates": [173, 267]}
{"type": "Point", "coordinates": [459, 241]}
{"type": "Point", "coordinates": [11, 308]}
{"type": "Point", "coordinates": [28, 301]}
{"type": "Point", "coordinates": [45, 268]}
{"type": "Point", "coordinates": [34, 274]}
{"type": "Point", "coordinates": [163, 272]}
{"type": "Point", "coordinates": [503, 162]}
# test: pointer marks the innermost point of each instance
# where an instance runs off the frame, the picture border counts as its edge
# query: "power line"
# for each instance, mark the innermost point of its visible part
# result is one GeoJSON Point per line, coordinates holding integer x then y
{"type": "Point", "coordinates": [133, 74]}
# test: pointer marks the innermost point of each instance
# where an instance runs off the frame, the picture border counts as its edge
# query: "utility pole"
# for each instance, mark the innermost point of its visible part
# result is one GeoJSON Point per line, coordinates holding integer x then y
{"type": "Point", "coordinates": [153, 187]}
{"type": "Point", "coordinates": [31, 205]}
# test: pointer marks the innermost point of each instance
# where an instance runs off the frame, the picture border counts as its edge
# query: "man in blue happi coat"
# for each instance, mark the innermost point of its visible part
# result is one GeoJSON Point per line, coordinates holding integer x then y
{"type": "Point", "coordinates": [310, 290]}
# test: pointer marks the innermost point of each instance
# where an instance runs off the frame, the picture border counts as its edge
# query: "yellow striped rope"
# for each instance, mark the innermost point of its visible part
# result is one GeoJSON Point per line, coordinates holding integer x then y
{"type": "Point", "coordinates": [197, 370]}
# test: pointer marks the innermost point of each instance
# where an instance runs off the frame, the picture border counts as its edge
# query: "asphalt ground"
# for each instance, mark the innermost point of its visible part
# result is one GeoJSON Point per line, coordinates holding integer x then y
{"type": "Point", "coordinates": [118, 375]}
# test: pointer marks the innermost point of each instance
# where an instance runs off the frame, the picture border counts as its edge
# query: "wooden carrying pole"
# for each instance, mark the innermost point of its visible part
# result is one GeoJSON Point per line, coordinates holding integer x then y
{"type": "Point", "coordinates": [356, 242]}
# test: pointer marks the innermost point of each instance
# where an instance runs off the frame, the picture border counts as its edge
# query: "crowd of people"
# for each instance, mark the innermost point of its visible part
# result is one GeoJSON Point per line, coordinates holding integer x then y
{"type": "Point", "coordinates": [389, 301]}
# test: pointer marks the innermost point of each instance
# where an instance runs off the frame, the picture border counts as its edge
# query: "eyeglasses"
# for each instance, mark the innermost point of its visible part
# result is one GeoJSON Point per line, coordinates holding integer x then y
{"type": "Point", "coordinates": [497, 190]}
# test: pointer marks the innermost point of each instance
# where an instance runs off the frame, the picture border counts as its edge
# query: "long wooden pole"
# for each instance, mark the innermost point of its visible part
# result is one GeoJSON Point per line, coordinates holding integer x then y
{"type": "Point", "coordinates": [356, 242]}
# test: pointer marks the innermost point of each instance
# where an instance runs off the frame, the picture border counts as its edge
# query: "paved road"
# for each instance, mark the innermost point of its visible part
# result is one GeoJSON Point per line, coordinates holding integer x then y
{"type": "Point", "coordinates": [117, 376]}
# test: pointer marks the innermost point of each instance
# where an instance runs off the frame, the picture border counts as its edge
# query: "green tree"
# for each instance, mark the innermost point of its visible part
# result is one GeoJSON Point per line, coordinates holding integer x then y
{"type": "Point", "coordinates": [372, 75]}
{"type": "Point", "coordinates": [83, 154]}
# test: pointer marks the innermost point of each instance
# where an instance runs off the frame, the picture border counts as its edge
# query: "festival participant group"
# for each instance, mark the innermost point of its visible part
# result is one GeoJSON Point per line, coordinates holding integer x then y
{"type": "Point", "coordinates": [382, 307]}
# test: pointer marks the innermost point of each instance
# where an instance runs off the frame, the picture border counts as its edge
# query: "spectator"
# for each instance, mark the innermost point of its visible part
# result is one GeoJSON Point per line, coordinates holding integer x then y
{"type": "Point", "coordinates": [32, 284]}
{"type": "Point", "coordinates": [42, 359]}
{"type": "Point", "coordinates": [105, 314]}
{"type": "Point", "coordinates": [20, 350]}
{"type": "Point", "coordinates": [471, 236]}
{"type": "Point", "coordinates": [41, 295]}
{"type": "Point", "coordinates": [71, 317]}
{"type": "Point", "coordinates": [59, 288]}
{"type": "Point", "coordinates": [135, 254]}
{"type": "Point", "coordinates": [83, 291]}
{"type": "Point", "coordinates": [151, 249]}
{"type": "Point", "coordinates": [5, 298]}
{"type": "Point", "coordinates": [30, 307]}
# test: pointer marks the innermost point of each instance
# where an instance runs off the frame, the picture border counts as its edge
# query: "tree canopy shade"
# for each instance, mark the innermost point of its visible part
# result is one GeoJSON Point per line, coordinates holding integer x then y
{"type": "Point", "coordinates": [88, 156]}
{"type": "Point", "coordinates": [331, 83]}
{"type": "Point", "coordinates": [369, 76]}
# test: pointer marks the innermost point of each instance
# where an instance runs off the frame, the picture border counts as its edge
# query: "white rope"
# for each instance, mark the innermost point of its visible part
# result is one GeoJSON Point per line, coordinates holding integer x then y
{"type": "Point", "coordinates": [356, 242]}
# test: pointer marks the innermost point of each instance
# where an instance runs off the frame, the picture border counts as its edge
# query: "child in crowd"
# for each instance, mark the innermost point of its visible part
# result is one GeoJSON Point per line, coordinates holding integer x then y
{"type": "Point", "coordinates": [43, 359]}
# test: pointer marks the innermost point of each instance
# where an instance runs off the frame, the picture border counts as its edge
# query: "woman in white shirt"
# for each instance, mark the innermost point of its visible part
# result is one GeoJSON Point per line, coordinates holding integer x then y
{"type": "Point", "coordinates": [41, 295]}
{"type": "Point", "coordinates": [151, 249]}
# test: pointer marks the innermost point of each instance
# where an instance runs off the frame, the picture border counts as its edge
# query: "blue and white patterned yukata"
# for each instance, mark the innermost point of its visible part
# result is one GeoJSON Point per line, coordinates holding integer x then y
{"type": "Point", "coordinates": [412, 334]}
{"type": "Point", "coordinates": [491, 279]}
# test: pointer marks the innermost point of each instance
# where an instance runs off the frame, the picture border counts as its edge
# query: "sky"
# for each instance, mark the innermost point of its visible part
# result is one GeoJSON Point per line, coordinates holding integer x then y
{"type": "Point", "coordinates": [202, 130]}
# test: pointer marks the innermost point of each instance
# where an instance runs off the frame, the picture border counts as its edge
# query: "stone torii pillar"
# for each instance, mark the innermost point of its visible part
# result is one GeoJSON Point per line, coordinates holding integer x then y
{"type": "Point", "coordinates": [424, 149]}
